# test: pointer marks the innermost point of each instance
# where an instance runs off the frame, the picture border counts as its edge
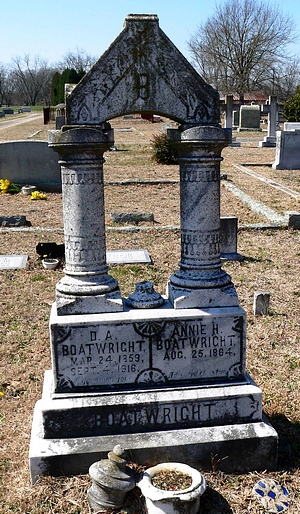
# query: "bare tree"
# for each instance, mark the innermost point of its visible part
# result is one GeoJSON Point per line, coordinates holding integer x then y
{"type": "Point", "coordinates": [285, 78]}
{"type": "Point", "coordinates": [2, 80]}
{"type": "Point", "coordinates": [7, 85]}
{"type": "Point", "coordinates": [78, 61]}
{"type": "Point", "coordinates": [237, 46]}
{"type": "Point", "coordinates": [33, 78]}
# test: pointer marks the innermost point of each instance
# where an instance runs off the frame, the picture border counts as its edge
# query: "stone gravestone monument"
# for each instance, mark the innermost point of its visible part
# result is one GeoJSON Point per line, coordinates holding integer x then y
{"type": "Point", "coordinates": [287, 155]}
{"type": "Point", "coordinates": [161, 376]}
{"type": "Point", "coordinates": [249, 118]}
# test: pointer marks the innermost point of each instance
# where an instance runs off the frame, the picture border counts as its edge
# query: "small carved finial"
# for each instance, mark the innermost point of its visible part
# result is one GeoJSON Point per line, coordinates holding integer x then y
{"type": "Point", "coordinates": [145, 297]}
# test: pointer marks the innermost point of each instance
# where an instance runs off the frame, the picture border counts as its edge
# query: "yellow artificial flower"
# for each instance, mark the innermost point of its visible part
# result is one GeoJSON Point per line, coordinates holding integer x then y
{"type": "Point", "coordinates": [37, 195]}
{"type": "Point", "coordinates": [4, 185]}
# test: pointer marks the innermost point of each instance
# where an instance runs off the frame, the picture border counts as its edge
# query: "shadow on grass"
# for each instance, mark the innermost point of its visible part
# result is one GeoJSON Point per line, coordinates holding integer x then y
{"type": "Point", "coordinates": [214, 503]}
{"type": "Point", "coordinates": [289, 442]}
{"type": "Point", "coordinates": [255, 259]}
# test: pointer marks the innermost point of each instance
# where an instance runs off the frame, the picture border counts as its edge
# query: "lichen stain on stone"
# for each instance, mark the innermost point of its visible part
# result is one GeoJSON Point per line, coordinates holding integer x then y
{"type": "Point", "coordinates": [142, 71]}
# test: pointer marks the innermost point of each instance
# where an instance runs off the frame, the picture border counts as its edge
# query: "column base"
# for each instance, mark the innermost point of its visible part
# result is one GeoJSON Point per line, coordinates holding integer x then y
{"type": "Point", "coordinates": [268, 141]}
{"type": "Point", "coordinates": [96, 304]}
{"type": "Point", "coordinates": [88, 294]}
{"type": "Point", "coordinates": [183, 298]}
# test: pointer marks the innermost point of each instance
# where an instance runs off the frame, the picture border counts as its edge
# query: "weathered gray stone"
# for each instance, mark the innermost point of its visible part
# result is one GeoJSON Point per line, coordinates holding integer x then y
{"type": "Point", "coordinates": [142, 71]}
{"type": "Point", "coordinates": [261, 302]}
{"type": "Point", "coordinates": [145, 297]}
{"type": "Point", "coordinates": [87, 287]}
{"type": "Point", "coordinates": [146, 411]}
{"type": "Point", "coordinates": [200, 282]}
{"type": "Point", "coordinates": [14, 221]}
{"type": "Point", "coordinates": [159, 380]}
{"type": "Point", "coordinates": [131, 217]}
{"type": "Point", "coordinates": [239, 447]}
{"type": "Point", "coordinates": [90, 352]}
{"type": "Point", "coordinates": [291, 125]}
{"type": "Point", "coordinates": [13, 261]}
{"type": "Point", "coordinates": [249, 118]}
{"type": "Point", "coordinates": [111, 480]}
{"type": "Point", "coordinates": [293, 219]}
{"type": "Point", "coordinates": [30, 163]}
{"type": "Point", "coordinates": [270, 139]}
{"type": "Point", "coordinates": [287, 150]}
{"type": "Point", "coordinates": [228, 238]}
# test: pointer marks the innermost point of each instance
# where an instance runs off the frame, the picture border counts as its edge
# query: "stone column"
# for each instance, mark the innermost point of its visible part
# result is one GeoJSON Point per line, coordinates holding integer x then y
{"type": "Point", "coordinates": [86, 287]}
{"type": "Point", "coordinates": [272, 117]}
{"type": "Point", "coordinates": [200, 282]}
{"type": "Point", "coordinates": [270, 139]}
{"type": "Point", "coordinates": [228, 112]}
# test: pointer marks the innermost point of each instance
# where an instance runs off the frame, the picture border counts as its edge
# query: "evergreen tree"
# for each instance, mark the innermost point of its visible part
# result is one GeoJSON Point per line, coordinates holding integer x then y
{"type": "Point", "coordinates": [291, 110]}
{"type": "Point", "coordinates": [68, 76]}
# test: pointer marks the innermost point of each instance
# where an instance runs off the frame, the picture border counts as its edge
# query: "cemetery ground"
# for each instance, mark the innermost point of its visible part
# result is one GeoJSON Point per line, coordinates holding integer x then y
{"type": "Point", "coordinates": [271, 263]}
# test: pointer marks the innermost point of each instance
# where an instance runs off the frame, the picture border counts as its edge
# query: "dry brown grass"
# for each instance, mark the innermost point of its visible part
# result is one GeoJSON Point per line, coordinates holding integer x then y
{"type": "Point", "coordinates": [272, 259]}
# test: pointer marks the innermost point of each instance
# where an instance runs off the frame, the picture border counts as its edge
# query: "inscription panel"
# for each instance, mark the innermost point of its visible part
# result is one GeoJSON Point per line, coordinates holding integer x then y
{"type": "Point", "coordinates": [145, 354]}
{"type": "Point", "coordinates": [13, 261]}
{"type": "Point", "coordinates": [114, 419]}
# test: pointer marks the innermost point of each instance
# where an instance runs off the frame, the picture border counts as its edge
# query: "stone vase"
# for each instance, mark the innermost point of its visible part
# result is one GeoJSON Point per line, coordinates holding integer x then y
{"type": "Point", "coordinates": [183, 501]}
{"type": "Point", "coordinates": [112, 479]}
{"type": "Point", "coordinates": [50, 263]}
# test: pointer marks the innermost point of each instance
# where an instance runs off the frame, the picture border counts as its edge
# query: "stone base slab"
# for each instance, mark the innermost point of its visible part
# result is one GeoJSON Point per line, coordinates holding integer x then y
{"type": "Point", "coordinates": [147, 411]}
{"type": "Point", "coordinates": [268, 141]}
{"type": "Point", "coordinates": [201, 425]}
{"type": "Point", "coordinates": [185, 298]}
{"type": "Point", "coordinates": [230, 448]}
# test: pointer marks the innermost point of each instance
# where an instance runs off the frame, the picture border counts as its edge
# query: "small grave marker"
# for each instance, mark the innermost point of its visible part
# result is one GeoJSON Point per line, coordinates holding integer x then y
{"type": "Point", "coordinates": [131, 217]}
{"type": "Point", "coordinates": [127, 256]}
{"type": "Point", "coordinates": [14, 221]}
{"type": "Point", "coordinates": [13, 261]}
{"type": "Point", "coordinates": [261, 302]}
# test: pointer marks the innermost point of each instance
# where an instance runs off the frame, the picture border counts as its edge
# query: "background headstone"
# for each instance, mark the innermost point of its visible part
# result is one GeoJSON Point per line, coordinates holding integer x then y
{"type": "Point", "coordinates": [287, 155]}
{"type": "Point", "coordinates": [249, 118]}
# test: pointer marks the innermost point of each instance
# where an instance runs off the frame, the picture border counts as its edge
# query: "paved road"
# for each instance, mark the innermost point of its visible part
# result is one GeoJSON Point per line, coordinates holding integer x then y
{"type": "Point", "coordinates": [17, 121]}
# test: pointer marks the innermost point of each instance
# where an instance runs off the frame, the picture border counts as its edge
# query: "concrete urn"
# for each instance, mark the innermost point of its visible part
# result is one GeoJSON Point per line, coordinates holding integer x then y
{"type": "Point", "coordinates": [112, 479]}
{"type": "Point", "coordinates": [181, 501]}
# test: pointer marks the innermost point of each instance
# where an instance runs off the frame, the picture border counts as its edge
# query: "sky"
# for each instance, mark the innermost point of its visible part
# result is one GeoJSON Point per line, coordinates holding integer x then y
{"type": "Point", "coordinates": [52, 28]}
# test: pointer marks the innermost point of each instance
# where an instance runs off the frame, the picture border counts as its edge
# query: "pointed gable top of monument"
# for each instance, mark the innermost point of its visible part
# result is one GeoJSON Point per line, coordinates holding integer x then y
{"type": "Point", "coordinates": [142, 72]}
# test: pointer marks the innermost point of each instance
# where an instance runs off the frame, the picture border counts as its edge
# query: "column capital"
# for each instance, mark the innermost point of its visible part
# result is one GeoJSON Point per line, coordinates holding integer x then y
{"type": "Point", "coordinates": [212, 135]}
{"type": "Point", "coordinates": [81, 139]}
